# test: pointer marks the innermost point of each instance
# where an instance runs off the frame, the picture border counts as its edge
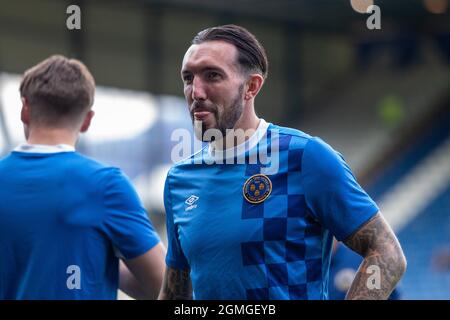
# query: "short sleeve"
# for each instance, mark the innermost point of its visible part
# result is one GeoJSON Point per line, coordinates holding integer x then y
{"type": "Point", "coordinates": [175, 257]}
{"type": "Point", "coordinates": [126, 222]}
{"type": "Point", "coordinates": [332, 192]}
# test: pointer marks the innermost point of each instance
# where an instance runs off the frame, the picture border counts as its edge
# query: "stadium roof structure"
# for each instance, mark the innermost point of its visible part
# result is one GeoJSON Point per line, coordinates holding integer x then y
{"type": "Point", "coordinates": [314, 15]}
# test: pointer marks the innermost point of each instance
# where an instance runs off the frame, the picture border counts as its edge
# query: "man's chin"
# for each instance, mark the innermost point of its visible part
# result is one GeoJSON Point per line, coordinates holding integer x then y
{"type": "Point", "coordinates": [199, 135]}
{"type": "Point", "coordinates": [208, 134]}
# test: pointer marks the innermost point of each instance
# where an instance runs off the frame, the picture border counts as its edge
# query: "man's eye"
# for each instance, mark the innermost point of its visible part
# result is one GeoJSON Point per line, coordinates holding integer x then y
{"type": "Point", "coordinates": [213, 75]}
{"type": "Point", "coordinates": [187, 78]}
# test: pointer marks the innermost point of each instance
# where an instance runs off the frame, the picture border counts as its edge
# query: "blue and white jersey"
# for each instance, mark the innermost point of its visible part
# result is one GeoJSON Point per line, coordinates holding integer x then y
{"type": "Point", "coordinates": [262, 229]}
{"type": "Point", "coordinates": [64, 220]}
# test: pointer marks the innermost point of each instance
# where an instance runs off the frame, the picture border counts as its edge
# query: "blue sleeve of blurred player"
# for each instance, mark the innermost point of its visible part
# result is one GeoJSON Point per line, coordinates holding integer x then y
{"type": "Point", "coordinates": [126, 222]}
{"type": "Point", "coordinates": [175, 257]}
{"type": "Point", "coordinates": [331, 191]}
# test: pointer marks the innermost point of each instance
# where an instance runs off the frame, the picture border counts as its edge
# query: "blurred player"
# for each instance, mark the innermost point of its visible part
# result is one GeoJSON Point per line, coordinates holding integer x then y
{"type": "Point", "coordinates": [261, 230]}
{"type": "Point", "coordinates": [64, 218]}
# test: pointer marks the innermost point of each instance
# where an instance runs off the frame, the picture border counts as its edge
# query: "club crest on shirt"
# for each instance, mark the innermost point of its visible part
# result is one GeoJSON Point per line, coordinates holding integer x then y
{"type": "Point", "coordinates": [257, 188]}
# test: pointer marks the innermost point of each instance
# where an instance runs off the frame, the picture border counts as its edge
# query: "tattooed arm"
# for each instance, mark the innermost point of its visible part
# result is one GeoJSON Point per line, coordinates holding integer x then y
{"type": "Point", "coordinates": [377, 243]}
{"type": "Point", "coordinates": [176, 285]}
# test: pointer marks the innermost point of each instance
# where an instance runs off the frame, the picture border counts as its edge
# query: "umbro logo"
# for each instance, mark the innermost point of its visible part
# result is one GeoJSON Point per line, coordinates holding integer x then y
{"type": "Point", "coordinates": [191, 202]}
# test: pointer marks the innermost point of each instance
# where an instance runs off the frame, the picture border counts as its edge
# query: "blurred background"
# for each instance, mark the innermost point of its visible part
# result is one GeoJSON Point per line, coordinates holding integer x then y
{"type": "Point", "coordinates": [381, 97]}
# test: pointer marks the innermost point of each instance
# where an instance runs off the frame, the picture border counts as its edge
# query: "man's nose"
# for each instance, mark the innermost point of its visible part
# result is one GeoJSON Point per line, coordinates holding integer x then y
{"type": "Point", "coordinates": [198, 89]}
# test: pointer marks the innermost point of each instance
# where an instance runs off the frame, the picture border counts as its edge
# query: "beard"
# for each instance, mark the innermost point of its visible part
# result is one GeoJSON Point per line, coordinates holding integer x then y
{"type": "Point", "coordinates": [225, 121]}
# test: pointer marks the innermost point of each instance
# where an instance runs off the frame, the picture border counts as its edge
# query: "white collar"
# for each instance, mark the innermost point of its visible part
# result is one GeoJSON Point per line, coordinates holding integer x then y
{"type": "Point", "coordinates": [44, 148]}
{"type": "Point", "coordinates": [240, 149]}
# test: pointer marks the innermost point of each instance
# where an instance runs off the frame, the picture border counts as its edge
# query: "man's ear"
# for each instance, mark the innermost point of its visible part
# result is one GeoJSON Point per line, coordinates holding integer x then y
{"type": "Point", "coordinates": [25, 112]}
{"type": "Point", "coordinates": [87, 121]}
{"type": "Point", "coordinates": [254, 84]}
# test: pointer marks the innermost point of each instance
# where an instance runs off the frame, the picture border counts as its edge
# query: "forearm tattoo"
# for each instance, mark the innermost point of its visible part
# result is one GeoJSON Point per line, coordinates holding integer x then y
{"type": "Point", "coordinates": [384, 262]}
{"type": "Point", "coordinates": [177, 284]}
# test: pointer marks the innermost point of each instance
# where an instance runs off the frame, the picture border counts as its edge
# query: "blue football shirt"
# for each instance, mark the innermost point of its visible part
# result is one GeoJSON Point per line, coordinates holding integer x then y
{"type": "Point", "coordinates": [64, 221]}
{"type": "Point", "coordinates": [262, 228]}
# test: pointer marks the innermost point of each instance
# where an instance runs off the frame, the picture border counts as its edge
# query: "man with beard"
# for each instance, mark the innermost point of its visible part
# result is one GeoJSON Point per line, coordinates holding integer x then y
{"type": "Point", "coordinates": [251, 229]}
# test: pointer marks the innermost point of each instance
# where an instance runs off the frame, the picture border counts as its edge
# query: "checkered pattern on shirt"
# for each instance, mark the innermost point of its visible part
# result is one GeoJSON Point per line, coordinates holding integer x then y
{"type": "Point", "coordinates": [290, 251]}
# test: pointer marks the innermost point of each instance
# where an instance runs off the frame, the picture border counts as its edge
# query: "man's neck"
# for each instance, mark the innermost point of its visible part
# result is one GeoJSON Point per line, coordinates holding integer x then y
{"type": "Point", "coordinates": [242, 131]}
{"type": "Point", "coordinates": [52, 136]}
